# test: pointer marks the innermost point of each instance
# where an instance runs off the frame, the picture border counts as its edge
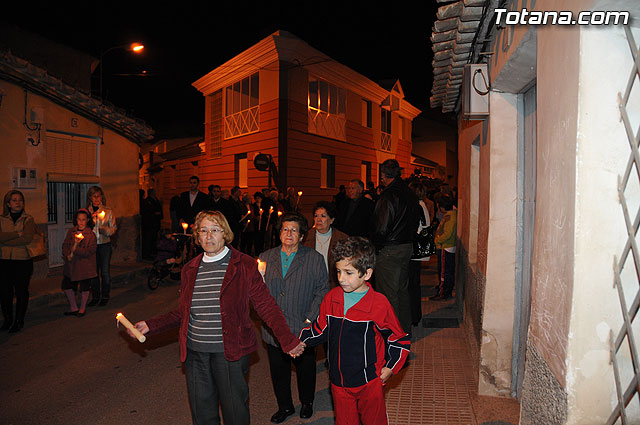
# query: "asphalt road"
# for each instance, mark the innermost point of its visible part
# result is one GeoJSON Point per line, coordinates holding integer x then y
{"type": "Point", "coordinates": [69, 370]}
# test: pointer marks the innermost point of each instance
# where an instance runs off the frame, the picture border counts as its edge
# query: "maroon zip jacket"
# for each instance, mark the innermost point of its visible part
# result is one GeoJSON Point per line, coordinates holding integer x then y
{"type": "Point", "coordinates": [242, 283]}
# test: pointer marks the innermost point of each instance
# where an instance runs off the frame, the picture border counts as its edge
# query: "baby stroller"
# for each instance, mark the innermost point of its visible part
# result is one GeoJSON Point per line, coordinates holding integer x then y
{"type": "Point", "coordinates": [174, 250]}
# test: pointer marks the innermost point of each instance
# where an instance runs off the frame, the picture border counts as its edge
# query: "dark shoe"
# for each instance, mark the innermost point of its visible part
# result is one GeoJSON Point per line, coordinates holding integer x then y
{"type": "Point", "coordinates": [17, 327]}
{"type": "Point", "coordinates": [281, 415]}
{"type": "Point", "coordinates": [6, 325]}
{"type": "Point", "coordinates": [306, 411]}
{"type": "Point", "coordinates": [71, 313]}
{"type": "Point", "coordinates": [80, 314]}
{"type": "Point", "coordinates": [93, 303]}
{"type": "Point", "coordinates": [104, 301]}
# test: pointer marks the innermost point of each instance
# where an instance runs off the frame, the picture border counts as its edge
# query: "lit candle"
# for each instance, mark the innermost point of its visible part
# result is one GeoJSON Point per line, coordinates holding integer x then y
{"type": "Point", "coordinates": [127, 324]}
{"type": "Point", "coordinates": [184, 226]}
{"type": "Point", "coordinates": [279, 213]}
{"type": "Point", "coordinates": [298, 200]}
{"type": "Point", "coordinates": [260, 221]}
{"type": "Point", "coordinates": [262, 267]}
{"type": "Point", "coordinates": [101, 215]}
{"type": "Point", "coordinates": [79, 236]}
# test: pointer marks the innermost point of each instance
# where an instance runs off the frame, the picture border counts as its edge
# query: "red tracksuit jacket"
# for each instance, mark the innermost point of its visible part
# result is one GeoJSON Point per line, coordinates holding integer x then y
{"type": "Point", "coordinates": [361, 342]}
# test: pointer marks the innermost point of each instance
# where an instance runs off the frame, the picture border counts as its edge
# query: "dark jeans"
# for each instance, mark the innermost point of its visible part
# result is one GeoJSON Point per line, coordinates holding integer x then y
{"type": "Point", "coordinates": [446, 272]}
{"type": "Point", "coordinates": [213, 381]}
{"type": "Point", "coordinates": [100, 288]}
{"type": "Point", "coordinates": [415, 292]}
{"type": "Point", "coordinates": [392, 280]}
{"type": "Point", "coordinates": [280, 366]}
{"type": "Point", "coordinates": [16, 275]}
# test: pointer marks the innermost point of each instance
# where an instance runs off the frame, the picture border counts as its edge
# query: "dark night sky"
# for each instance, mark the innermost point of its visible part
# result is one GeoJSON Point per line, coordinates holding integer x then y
{"type": "Point", "coordinates": [185, 40]}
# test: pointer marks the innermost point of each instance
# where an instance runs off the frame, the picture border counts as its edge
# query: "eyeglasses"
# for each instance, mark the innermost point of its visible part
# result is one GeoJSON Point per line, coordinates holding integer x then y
{"type": "Point", "coordinates": [289, 230]}
{"type": "Point", "coordinates": [212, 231]}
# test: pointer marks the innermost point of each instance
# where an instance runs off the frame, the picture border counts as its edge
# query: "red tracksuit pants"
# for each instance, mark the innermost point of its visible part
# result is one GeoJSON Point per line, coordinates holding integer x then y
{"type": "Point", "coordinates": [360, 405]}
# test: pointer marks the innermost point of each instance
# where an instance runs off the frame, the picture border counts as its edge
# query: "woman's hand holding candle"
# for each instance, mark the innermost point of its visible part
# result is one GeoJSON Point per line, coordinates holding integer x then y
{"type": "Point", "coordinates": [137, 331]}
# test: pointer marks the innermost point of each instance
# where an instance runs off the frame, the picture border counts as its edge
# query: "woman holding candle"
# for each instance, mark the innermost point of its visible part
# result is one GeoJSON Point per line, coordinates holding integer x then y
{"type": "Point", "coordinates": [16, 266]}
{"type": "Point", "coordinates": [105, 227]}
{"type": "Point", "coordinates": [216, 332]}
{"type": "Point", "coordinates": [323, 237]}
{"type": "Point", "coordinates": [79, 253]}
{"type": "Point", "coordinates": [297, 278]}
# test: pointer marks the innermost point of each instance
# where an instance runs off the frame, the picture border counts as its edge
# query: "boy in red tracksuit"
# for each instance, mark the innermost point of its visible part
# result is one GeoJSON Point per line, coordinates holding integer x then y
{"type": "Point", "coordinates": [366, 342]}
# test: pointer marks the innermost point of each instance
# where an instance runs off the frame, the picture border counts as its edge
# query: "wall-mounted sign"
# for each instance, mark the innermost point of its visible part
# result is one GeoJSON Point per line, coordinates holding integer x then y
{"type": "Point", "coordinates": [262, 161]}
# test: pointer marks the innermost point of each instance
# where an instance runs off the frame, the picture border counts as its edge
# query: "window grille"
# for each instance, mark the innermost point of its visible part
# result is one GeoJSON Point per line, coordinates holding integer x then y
{"type": "Point", "coordinates": [242, 107]}
{"type": "Point", "coordinates": [623, 344]}
{"type": "Point", "coordinates": [327, 109]}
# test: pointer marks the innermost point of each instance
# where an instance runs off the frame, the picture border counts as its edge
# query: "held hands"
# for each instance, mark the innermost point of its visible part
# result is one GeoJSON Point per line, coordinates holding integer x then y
{"type": "Point", "coordinates": [295, 352]}
{"type": "Point", "coordinates": [141, 326]}
{"type": "Point", "coordinates": [385, 374]}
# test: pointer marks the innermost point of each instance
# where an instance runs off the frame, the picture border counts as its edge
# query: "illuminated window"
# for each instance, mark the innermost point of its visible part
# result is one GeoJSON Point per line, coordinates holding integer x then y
{"type": "Point", "coordinates": [327, 109]}
{"type": "Point", "coordinates": [385, 130]}
{"type": "Point", "coordinates": [241, 107]}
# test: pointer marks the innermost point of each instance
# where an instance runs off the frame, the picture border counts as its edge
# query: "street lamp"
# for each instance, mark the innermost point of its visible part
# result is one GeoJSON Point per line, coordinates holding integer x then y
{"type": "Point", "coordinates": [133, 47]}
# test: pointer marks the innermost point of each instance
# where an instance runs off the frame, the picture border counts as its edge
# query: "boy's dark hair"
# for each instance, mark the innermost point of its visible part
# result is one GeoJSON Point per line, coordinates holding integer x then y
{"type": "Point", "coordinates": [358, 250]}
{"type": "Point", "coordinates": [86, 212]}
{"type": "Point", "coordinates": [195, 178]}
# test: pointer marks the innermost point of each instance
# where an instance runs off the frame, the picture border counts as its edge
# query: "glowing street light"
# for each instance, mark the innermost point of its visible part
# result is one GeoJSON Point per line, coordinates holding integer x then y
{"type": "Point", "coordinates": [132, 47]}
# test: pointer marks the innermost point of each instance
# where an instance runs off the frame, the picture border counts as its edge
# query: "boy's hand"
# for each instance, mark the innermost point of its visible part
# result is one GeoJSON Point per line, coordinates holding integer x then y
{"type": "Point", "coordinates": [385, 374]}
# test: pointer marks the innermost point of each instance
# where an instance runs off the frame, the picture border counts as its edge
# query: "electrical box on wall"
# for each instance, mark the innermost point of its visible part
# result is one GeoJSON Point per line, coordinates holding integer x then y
{"type": "Point", "coordinates": [37, 115]}
{"type": "Point", "coordinates": [24, 178]}
{"type": "Point", "coordinates": [475, 91]}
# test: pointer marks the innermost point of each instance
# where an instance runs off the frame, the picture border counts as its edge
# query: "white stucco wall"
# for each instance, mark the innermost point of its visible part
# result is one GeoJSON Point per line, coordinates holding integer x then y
{"type": "Point", "coordinates": [497, 324]}
{"type": "Point", "coordinates": [602, 153]}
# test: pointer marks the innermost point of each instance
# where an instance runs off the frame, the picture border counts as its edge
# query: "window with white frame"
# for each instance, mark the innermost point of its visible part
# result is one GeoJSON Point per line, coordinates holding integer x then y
{"type": "Point", "coordinates": [327, 109]}
{"type": "Point", "coordinates": [385, 130]}
{"type": "Point", "coordinates": [241, 113]}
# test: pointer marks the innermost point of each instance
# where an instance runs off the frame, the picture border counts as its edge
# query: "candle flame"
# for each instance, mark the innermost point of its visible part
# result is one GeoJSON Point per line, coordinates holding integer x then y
{"type": "Point", "coordinates": [279, 213]}
{"type": "Point", "coordinates": [260, 210]}
{"type": "Point", "coordinates": [270, 209]}
{"type": "Point", "coordinates": [300, 193]}
{"type": "Point", "coordinates": [101, 215]}
{"type": "Point", "coordinates": [184, 226]}
{"type": "Point", "coordinates": [119, 315]}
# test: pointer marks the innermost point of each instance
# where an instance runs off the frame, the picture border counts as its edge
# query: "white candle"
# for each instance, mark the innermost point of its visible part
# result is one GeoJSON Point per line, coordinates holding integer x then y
{"type": "Point", "coordinates": [184, 226]}
{"type": "Point", "coordinates": [127, 324]}
{"type": "Point", "coordinates": [262, 267]}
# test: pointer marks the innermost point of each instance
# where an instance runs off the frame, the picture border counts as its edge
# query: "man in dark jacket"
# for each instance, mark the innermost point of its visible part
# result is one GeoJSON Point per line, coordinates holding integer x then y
{"type": "Point", "coordinates": [354, 213]}
{"type": "Point", "coordinates": [192, 201]}
{"type": "Point", "coordinates": [395, 222]}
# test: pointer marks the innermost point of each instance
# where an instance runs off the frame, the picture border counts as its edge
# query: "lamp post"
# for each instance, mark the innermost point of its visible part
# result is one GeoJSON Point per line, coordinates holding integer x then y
{"type": "Point", "coordinates": [133, 47]}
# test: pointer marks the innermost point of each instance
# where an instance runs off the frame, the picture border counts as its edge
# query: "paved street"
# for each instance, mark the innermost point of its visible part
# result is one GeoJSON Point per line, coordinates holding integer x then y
{"type": "Point", "coordinates": [68, 370]}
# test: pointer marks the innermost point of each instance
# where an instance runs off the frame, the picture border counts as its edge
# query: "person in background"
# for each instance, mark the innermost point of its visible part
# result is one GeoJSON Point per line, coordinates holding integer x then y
{"type": "Point", "coordinates": [192, 202]}
{"type": "Point", "coordinates": [395, 222]}
{"type": "Point", "coordinates": [248, 224]}
{"type": "Point", "coordinates": [79, 253]}
{"type": "Point", "coordinates": [220, 284]}
{"type": "Point", "coordinates": [354, 216]}
{"type": "Point", "coordinates": [235, 203]}
{"type": "Point", "coordinates": [105, 227]}
{"type": "Point", "coordinates": [297, 278]}
{"type": "Point", "coordinates": [323, 237]}
{"type": "Point", "coordinates": [415, 265]}
{"type": "Point", "coordinates": [445, 239]}
{"type": "Point", "coordinates": [151, 220]}
{"type": "Point", "coordinates": [174, 212]}
{"type": "Point", "coordinates": [339, 197]}
{"type": "Point", "coordinates": [17, 229]}
{"type": "Point", "coordinates": [366, 342]}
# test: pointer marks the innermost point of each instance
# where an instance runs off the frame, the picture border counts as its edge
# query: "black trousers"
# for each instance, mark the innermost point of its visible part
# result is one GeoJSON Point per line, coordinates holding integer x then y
{"type": "Point", "coordinates": [16, 275]}
{"type": "Point", "coordinates": [280, 366]}
{"type": "Point", "coordinates": [214, 382]}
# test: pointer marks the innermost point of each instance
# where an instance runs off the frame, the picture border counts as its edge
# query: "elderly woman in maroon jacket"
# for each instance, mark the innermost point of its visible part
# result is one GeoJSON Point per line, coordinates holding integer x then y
{"type": "Point", "coordinates": [79, 252]}
{"type": "Point", "coordinates": [216, 333]}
